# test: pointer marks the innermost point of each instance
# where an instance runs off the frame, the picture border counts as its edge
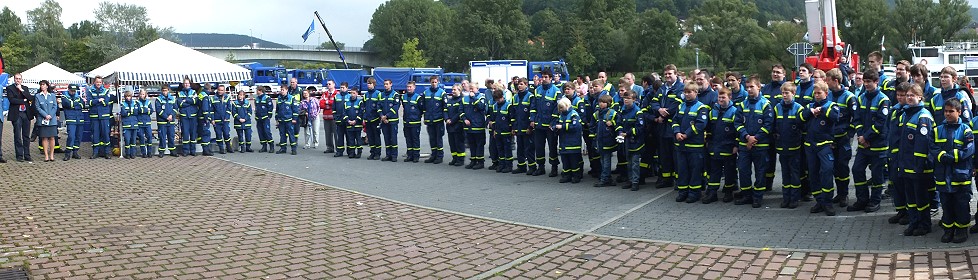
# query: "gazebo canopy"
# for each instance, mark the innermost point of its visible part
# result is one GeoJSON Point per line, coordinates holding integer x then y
{"type": "Point", "coordinates": [54, 74]}
{"type": "Point", "coordinates": [164, 62]}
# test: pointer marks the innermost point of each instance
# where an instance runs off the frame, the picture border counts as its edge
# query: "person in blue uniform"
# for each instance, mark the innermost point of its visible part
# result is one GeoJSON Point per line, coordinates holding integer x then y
{"type": "Point", "coordinates": [894, 128]}
{"type": "Point", "coordinates": [771, 91]}
{"type": "Point", "coordinates": [100, 102]}
{"type": "Point", "coordinates": [820, 117]}
{"type": "Point", "coordinates": [353, 121]}
{"type": "Point", "coordinates": [952, 153]}
{"type": "Point", "coordinates": [221, 110]}
{"type": "Point", "coordinates": [844, 131]}
{"type": "Point", "coordinates": [72, 104]}
{"type": "Point", "coordinates": [241, 114]}
{"type": "Point", "coordinates": [525, 155]}
{"type": "Point", "coordinates": [263, 117]}
{"type": "Point", "coordinates": [664, 106]}
{"type": "Point", "coordinates": [205, 118]}
{"type": "Point", "coordinates": [590, 107]}
{"type": "Point", "coordinates": [434, 120]}
{"type": "Point", "coordinates": [339, 100]}
{"type": "Point", "coordinates": [371, 118]}
{"type": "Point", "coordinates": [130, 125]}
{"type": "Point", "coordinates": [388, 108]}
{"type": "Point", "coordinates": [633, 130]}
{"type": "Point", "coordinates": [721, 135]}
{"type": "Point", "coordinates": [869, 119]}
{"type": "Point", "coordinates": [454, 125]}
{"type": "Point", "coordinates": [543, 111]}
{"type": "Point", "coordinates": [921, 76]}
{"type": "Point", "coordinates": [166, 118]}
{"type": "Point", "coordinates": [577, 104]}
{"type": "Point", "coordinates": [501, 122]}
{"type": "Point", "coordinates": [914, 167]}
{"type": "Point", "coordinates": [754, 126]}
{"type": "Point", "coordinates": [286, 116]}
{"type": "Point", "coordinates": [688, 126]}
{"type": "Point", "coordinates": [473, 115]}
{"type": "Point", "coordinates": [413, 103]}
{"type": "Point", "coordinates": [788, 127]}
{"type": "Point", "coordinates": [569, 131]}
{"type": "Point", "coordinates": [187, 101]}
{"type": "Point", "coordinates": [605, 123]}
{"type": "Point", "coordinates": [145, 117]}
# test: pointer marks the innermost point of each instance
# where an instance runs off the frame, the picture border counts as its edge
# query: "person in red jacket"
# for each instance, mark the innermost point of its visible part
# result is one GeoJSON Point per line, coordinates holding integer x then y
{"type": "Point", "coordinates": [326, 104]}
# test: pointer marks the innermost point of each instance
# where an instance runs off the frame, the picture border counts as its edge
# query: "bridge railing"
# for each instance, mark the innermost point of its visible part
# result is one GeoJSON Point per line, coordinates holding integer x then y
{"type": "Point", "coordinates": [289, 47]}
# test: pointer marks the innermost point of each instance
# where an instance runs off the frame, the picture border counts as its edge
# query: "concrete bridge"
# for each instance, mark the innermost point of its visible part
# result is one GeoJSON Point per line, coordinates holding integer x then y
{"type": "Point", "coordinates": [354, 56]}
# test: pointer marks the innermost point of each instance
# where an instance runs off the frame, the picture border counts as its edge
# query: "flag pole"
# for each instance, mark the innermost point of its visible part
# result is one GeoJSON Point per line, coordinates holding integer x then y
{"type": "Point", "coordinates": [340, 52]}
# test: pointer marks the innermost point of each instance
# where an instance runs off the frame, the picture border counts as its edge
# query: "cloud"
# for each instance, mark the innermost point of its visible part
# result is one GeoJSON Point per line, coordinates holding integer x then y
{"type": "Point", "coordinates": [281, 22]}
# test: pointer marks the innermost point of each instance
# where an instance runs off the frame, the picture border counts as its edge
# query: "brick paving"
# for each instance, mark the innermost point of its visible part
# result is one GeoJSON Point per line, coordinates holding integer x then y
{"type": "Point", "coordinates": [197, 218]}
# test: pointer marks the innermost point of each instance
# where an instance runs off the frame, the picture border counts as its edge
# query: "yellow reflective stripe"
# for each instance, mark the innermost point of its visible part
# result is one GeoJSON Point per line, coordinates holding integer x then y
{"type": "Point", "coordinates": [920, 154]}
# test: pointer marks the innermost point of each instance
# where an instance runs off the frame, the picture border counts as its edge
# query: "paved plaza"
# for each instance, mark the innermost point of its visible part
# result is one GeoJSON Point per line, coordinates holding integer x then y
{"type": "Point", "coordinates": [312, 216]}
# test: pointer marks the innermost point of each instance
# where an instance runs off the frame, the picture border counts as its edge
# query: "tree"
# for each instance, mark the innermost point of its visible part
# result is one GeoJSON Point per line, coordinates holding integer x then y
{"type": "Point", "coordinates": [579, 58]}
{"type": "Point", "coordinates": [9, 23]}
{"type": "Point", "coordinates": [79, 57]}
{"type": "Point", "coordinates": [727, 31]}
{"type": "Point", "coordinates": [327, 45]}
{"type": "Point", "coordinates": [543, 21]}
{"type": "Point", "coordinates": [859, 22]}
{"type": "Point", "coordinates": [411, 56]}
{"type": "Point", "coordinates": [396, 21]}
{"type": "Point", "coordinates": [654, 54]}
{"type": "Point", "coordinates": [494, 29]}
{"type": "Point", "coordinates": [16, 53]}
{"type": "Point", "coordinates": [84, 29]}
{"type": "Point", "coordinates": [47, 34]}
{"type": "Point", "coordinates": [126, 28]}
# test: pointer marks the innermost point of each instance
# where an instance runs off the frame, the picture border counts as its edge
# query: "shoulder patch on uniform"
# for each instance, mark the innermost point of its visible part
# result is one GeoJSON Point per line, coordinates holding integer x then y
{"type": "Point", "coordinates": [886, 111]}
{"type": "Point", "coordinates": [704, 117]}
{"type": "Point", "coordinates": [923, 131]}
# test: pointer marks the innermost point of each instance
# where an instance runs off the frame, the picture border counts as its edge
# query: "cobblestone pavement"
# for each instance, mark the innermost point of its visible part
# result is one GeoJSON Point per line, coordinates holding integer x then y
{"type": "Point", "coordinates": [203, 218]}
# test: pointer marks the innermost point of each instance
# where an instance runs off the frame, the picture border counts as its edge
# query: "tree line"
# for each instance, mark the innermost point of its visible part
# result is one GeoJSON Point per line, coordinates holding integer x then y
{"type": "Point", "coordinates": [115, 30]}
{"type": "Point", "coordinates": [643, 36]}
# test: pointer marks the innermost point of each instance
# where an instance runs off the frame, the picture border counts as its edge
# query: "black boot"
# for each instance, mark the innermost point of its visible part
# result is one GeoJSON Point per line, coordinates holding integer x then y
{"type": "Point", "coordinates": [948, 235]}
{"type": "Point", "coordinates": [744, 199]}
{"type": "Point", "coordinates": [67, 156]}
{"type": "Point", "coordinates": [829, 210]}
{"type": "Point", "coordinates": [264, 148]}
{"type": "Point", "coordinates": [860, 205]}
{"type": "Point", "coordinates": [960, 235]}
{"type": "Point", "coordinates": [228, 147]}
{"type": "Point", "coordinates": [532, 170]}
{"type": "Point", "coordinates": [430, 160]}
{"type": "Point", "coordinates": [479, 164]}
{"type": "Point", "coordinates": [436, 161]}
{"type": "Point", "coordinates": [494, 166]}
{"type": "Point", "coordinates": [895, 219]}
{"type": "Point", "coordinates": [74, 155]}
{"type": "Point", "coordinates": [220, 150]}
{"type": "Point", "coordinates": [565, 178]}
{"type": "Point", "coordinates": [520, 169]}
{"type": "Point", "coordinates": [710, 197]}
{"type": "Point", "coordinates": [553, 171]}
{"type": "Point", "coordinates": [281, 150]}
{"type": "Point", "coordinates": [728, 196]}
{"type": "Point", "coordinates": [506, 168]}
{"type": "Point", "coordinates": [682, 196]}
{"type": "Point", "coordinates": [576, 178]}
{"type": "Point", "coordinates": [248, 149]}
{"type": "Point", "coordinates": [626, 185]}
{"type": "Point", "coordinates": [841, 200]}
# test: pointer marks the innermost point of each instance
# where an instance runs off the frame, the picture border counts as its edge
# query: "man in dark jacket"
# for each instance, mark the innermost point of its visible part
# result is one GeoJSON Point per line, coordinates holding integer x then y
{"type": "Point", "coordinates": [20, 116]}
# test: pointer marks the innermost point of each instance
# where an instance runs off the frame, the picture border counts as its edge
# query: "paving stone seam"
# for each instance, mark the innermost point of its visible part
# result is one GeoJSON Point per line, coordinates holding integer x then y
{"type": "Point", "coordinates": [590, 231]}
{"type": "Point", "coordinates": [527, 257]}
{"type": "Point", "coordinates": [629, 211]}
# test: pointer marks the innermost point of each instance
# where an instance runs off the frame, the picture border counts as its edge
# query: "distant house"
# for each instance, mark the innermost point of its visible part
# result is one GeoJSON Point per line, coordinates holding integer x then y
{"type": "Point", "coordinates": [210, 40]}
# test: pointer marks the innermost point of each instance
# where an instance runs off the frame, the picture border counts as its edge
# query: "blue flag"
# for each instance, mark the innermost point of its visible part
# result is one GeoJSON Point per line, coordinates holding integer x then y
{"type": "Point", "coordinates": [312, 27]}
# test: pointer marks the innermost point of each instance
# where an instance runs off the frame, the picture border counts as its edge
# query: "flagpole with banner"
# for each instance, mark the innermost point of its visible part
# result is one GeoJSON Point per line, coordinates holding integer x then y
{"type": "Point", "coordinates": [338, 50]}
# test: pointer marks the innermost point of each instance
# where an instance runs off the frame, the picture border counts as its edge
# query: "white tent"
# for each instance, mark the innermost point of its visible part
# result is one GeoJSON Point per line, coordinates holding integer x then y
{"type": "Point", "coordinates": [164, 62]}
{"type": "Point", "coordinates": [54, 74]}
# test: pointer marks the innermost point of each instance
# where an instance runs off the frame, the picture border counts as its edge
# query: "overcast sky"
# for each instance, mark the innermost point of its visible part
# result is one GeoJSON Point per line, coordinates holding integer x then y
{"type": "Point", "coordinates": [277, 21]}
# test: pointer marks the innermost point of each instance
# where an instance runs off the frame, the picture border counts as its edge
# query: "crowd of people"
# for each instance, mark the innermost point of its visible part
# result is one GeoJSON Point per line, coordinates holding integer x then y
{"type": "Point", "coordinates": [691, 133]}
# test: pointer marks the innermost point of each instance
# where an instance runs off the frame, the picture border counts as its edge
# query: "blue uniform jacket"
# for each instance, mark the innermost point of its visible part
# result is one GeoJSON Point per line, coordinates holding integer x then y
{"type": "Point", "coordinates": [756, 117]}
{"type": "Point", "coordinates": [145, 116]}
{"type": "Point", "coordinates": [453, 112]}
{"type": "Point", "coordinates": [870, 119]}
{"type": "Point", "coordinates": [818, 130]}
{"type": "Point", "coordinates": [544, 105]}
{"type": "Point", "coordinates": [241, 109]}
{"type": "Point", "coordinates": [187, 102]}
{"type": "Point", "coordinates": [100, 109]}
{"type": "Point", "coordinates": [221, 106]}
{"type": "Point", "coordinates": [894, 128]}
{"type": "Point", "coordinates": [166, 108]}
{"type": "Point", "coordinates": [633, 125]}
{"type": "Point", "coordinates": [354, 112]}
{"type": "Point", "coordinates": [339, 106]}
{"type": "Point", "coordinates": [286, 109]}
{"type": "Point", "coordinates": [206, 111]}
{"type": "Point", "coordinates": [915, 141]}
{"type": "Point", "coordinates": [772, 90]}
{"type": "Point", "coordinates": [844, 129]}
{"type": "Point", "coordinates": [388, 105]}
{"type": "Point", "coordinates": [669, 98]}
{"type": "Point", "coordinates": [130, 110]}
{"type": "Point", "coordinates": [708, 97]}
{"type": "Point", "coordinates": [474, 110]}
{"type": "Point", "coordinates": [413, 109]}
{"type": "Point", "coordinates": [691, 120]}
{"type": "Point", "coordinates": [434, 105]}
{"type": "Point", "coordinates": [72, 106]}
{"type": "Point", "coordinates": [371, 105]}
{"type": "Point", "coordinates": [952, 152]}
{"type": "Point", "coordinates": [569, 134]}
{"type": "Point", "coordinates": [263, 107]}
{"type": "Point", "coordinates": [804, 91]}
{"type": "Point", "coordinates": [502, 118]}
{"type": "Point", "coordinates": [722, 133]}
{"type": "Point", "coordinates": [605, 134]}
{"type": "Point", "coordinates": [520, 108]}
{"type": "Point", "coordinates": [4, 106]}
{"type": "Point", "coordinates": [788, 126]}
{"type": "Point", "coordinates": [937, 103]}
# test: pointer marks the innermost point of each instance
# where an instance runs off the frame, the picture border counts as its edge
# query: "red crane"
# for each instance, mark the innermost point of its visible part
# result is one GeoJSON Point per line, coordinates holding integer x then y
{"type": "Point", "coordinates": [823, 28]}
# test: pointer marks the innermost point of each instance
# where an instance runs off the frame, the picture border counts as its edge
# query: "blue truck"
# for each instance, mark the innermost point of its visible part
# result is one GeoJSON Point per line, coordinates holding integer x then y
{"type": "Point", "coordinates": [265, 76]}
{"type": "Point", "coordinates": [504, 70]}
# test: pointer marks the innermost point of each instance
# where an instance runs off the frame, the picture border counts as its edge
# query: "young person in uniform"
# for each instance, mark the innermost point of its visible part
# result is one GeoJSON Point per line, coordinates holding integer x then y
{"type": "Point", "coordinates": [569, 131]}
{"type": "Point", "coordinates": [820, 116]}
{"type": "Point", "coordinates": [952, 153]}
{"type": "Point", "coordinates": [688, 125]}
{"type": "Point", "coordinates": [721, 135]}
{"type": "Point", "coordinates": [788, 139]}
{"type": "Point", "coordinates": [241, 113]}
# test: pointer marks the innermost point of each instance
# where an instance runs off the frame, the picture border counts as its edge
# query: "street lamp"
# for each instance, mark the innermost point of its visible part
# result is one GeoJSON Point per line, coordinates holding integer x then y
{"type": "Point", "coordinates": [697, 58]}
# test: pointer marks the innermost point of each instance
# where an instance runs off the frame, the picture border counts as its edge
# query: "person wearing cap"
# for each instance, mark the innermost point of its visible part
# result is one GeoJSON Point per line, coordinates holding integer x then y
{"type": "Point", "coordinates": [72, 105]}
